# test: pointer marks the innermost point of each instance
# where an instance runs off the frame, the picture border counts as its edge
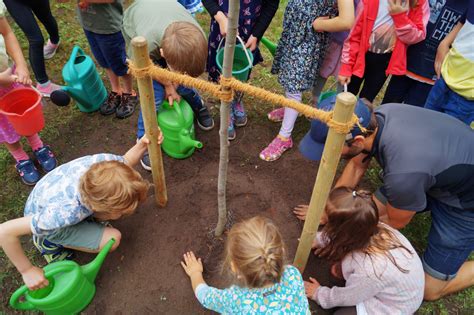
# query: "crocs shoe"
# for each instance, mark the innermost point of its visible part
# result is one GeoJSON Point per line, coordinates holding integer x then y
{"type": "Point", "coordinates": [47, 88]}
{"type": "Point", "coordinates": [275, 149]}
{"type": "Point", "coordinates": [28, 172]}
{"type": "Point", "coordinates": [52, 252]}
{"type": "Point", "coordinates": [46, 158]}
{"type": "Point", "coordinates": [240, 116]}
{"type": "Point", "coordinates": [109, 106]}
{"type": "Point", "coordinates": [276, 115]}
{"type": "Point", "coordinates": [127, 105]}
{"type": "Point", "coordinates": [49, 50]}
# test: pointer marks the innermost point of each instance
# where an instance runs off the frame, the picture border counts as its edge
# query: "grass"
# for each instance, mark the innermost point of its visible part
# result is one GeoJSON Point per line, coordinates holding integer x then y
{"type": "Point", "coordinates": [14, 194]}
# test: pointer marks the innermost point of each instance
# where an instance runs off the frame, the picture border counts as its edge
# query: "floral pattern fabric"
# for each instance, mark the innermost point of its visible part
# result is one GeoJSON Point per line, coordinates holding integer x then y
{"type": "Point", "coordinates": [286, 297]}
{"type": "Point", "coordinates": [55, 201]}
{"type": "Point", "coordinates": [300, 51]}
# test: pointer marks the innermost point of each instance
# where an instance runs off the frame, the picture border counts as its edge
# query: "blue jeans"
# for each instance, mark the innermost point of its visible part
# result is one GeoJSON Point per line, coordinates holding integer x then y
{"type": "Point", "coordinates": [189, 95]}
{"type": "Point", "coordinates": [445, 100]}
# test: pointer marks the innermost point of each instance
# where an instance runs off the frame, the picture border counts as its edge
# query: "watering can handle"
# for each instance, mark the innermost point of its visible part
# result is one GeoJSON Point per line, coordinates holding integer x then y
{"type": "Point", "coordinates": [70, 63]}
{"type": "Point", "coordinates": [243, 47]}
{"type": "Point", "coordinates": [178, 110]}
{"type": "Point", "coordinates": [25, 305]}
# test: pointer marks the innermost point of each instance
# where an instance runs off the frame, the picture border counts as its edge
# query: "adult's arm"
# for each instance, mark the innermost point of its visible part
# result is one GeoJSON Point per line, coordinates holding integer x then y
{"type": "Point", "coordinates": [353, 172]}
{"type": "Point", "coordinates": [397, 218]}
{"type": "Point", "coordinates": [269, 8]}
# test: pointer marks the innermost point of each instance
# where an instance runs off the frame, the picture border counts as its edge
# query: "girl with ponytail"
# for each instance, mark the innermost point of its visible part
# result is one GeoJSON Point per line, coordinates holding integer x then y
{"type": "Point", "coordinates": [263, 283]}
{"type": "Point", "coordinates": [383, 273]}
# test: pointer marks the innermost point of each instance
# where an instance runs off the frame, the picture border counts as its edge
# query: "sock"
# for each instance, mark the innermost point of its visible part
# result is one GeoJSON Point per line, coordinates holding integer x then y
{"type": "Point", "coordinates": [19, 154]}
{"type": "Point", "coordinates": [35, 142]}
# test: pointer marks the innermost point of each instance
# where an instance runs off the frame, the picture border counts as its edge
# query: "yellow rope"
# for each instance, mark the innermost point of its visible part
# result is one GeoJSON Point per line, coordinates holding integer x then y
{"type": "Point", "coordinates": [224, 91]}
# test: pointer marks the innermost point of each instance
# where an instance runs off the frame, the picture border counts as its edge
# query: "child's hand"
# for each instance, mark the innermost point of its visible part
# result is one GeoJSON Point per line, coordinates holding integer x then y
{"type": "Point", "coordinates": [171, 94]}
{"type": "Point", "coordinates": [397, 6]}
{"type": "Point", "coordinates": [34, 278]}
{"type": "Point", "coordinates": [191, 264]}
{"type": "Point", "coordinates": [251, 43]}
{"type": "Point", "coordinates": [23, 75]}
{"type": "Point", "coordinates": [7, 77]}
{"type": "Point", "coordinates": [343, 80]}
{"type": "Point", "coordinates": [145, 141]}
{"type": "Point", "coordinates": [311, 287]}
{"type": "Point", "coordinates": [222, 20]}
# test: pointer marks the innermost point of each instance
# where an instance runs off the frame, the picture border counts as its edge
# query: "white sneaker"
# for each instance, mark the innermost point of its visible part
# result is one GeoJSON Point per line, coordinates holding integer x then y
{"type": "Point", "coordinates": [49, 50]}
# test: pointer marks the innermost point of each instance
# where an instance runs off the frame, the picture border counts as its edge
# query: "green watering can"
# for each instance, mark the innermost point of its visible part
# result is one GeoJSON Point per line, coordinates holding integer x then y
{"type": "Point", "coordinates": [71, 287]}
{"type": "Point", "coordinates": [177, 124]}
{"type": "Point", "coordinates": [83, 82]}
{"type": "Point", "coordinates": [271, 46]}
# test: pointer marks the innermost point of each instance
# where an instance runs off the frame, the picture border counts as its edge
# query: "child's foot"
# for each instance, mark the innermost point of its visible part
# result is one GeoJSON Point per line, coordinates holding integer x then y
{"type": "Point", "coordinates": [47, 88]}
{"type": "Point", "coordinates": [276, 148]}
{"type": "Point", "coordinates": [46, 158]}
{"type": "Point", "coordinates": [28, 172]}
{"type": "Point", "coordinates": [276, 115]}
{"type": "Point", "coordinates": [127, 105]}
{"type": "Point", "coordinates": [204, 118]}
{"type": "Point", "coordinates": [145, 161]}
{"type": "Point", "coordinates": [231, 134]}
{"type": "Point", "coordinates": [109, 106]}
{"type": "Point", "coordinates": [49, 50]}
{"type": "Point", "coordinates": [52, 252]}
{"type": "Point", "coordinates": [240, 117]}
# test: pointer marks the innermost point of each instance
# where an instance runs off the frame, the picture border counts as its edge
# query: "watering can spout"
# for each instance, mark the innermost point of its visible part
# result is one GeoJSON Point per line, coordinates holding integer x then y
{"type": "Point", "coordinates": [91, 270]}
{"type": "Point", "coordinates": [187, 142]}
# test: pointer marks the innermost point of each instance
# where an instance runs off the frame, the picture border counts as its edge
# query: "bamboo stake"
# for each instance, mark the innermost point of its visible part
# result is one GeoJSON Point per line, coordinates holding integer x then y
{"type": "Point", "coordinates": [147, 104]}
{"type": "Point", "coordinates": [233, 16]}
{"type": "Point", "coordinates": [345, 103]}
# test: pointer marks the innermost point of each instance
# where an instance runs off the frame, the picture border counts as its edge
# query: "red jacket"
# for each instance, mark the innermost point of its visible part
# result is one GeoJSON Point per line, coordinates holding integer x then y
{"type": "Point", "coordinates": [410, 28]}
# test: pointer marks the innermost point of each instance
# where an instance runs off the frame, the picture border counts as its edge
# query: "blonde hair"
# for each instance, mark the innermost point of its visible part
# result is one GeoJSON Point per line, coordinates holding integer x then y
{"type": "Point", "coordinates": [185, 48]}
{"type": "Point", "coordinates": [112, 187]}
{"type": "Point", "coordinates": [255, 249]}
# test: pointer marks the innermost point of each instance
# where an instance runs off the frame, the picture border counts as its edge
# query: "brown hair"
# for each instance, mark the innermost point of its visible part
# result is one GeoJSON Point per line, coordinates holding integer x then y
{"type": "Point", "coordinates": [185, 48]}
{"type": "Point", "coordinates": [353, 225]}
{"type": "Point", "coordinates": [255, 249]}
{"type": "Point", "coordinates": [112, 187]}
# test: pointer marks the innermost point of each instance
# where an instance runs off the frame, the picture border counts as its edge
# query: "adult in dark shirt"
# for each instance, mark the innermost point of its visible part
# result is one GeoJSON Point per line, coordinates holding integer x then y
{"type": "Point", "coordinates": [428, 164]}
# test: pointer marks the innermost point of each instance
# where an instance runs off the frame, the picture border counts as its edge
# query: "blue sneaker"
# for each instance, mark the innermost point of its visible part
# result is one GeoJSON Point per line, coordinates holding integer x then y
{"type": "Point", "coordinates": [240, 115]}
{"type": "Point", "coordinates": [52, 252]}
{"type": "Point", "coordinates": [28, 172]}
{"type": "Point", "coordinates": [46, 158]}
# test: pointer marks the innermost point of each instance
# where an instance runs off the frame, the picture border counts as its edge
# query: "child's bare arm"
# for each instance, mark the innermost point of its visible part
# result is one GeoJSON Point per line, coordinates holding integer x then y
{"type": "Point", "coordinates": [194, 269]}
{"type": "Point", "coordinates": [10, 233]}
{"type": "Point", "coordinates": [342, 22]}
{"type": "Point", "coordinates": [136, 152]}
{"type": "Point", "coordinates": [444, 47]}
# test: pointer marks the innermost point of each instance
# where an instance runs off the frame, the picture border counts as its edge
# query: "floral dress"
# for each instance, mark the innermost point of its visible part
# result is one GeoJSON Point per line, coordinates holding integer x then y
{"type": "Point", "coordinates": [286, 297]}
{"type": "Point", "coordinates": [250, 10]}
{"type": "Point", "coordinates": [300, 51]}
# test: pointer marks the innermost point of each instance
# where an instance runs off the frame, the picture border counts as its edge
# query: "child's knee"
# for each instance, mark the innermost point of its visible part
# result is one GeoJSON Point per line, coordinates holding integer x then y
{"type": "Point", "coordinates": [111, 233]}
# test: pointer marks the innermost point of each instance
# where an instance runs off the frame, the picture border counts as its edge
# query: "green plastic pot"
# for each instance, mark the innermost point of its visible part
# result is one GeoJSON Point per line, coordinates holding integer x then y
{"type": "Point", "coordinates": [243, 60]}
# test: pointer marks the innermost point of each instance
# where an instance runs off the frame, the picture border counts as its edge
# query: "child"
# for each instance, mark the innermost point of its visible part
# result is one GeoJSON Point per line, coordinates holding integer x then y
{"type": "Point", "coordinates": [453, 92]}
{"type": "Point", "coordinates": [11, 78]}
{"type": "Point", "coordinates": [175, 40]}
{"type": "Point", "coordinates": [383, 273]}
{"type": "Point", "coordinates": [63, 209]}
{"type": "Point", "coordinates": [377, 44]}
{"type": "Point", "coordinates": [299, 55]}
{"type": "Point", "coordinates": [254, 18]}
{"type": "Point", "coordinates": [255, 257]}
{"type": "Point", "coordinates": [26, 14]}
{"type": "Point", "coordinates": [102, 21]}
{"type": "Point", "coordinates": [414, 87]}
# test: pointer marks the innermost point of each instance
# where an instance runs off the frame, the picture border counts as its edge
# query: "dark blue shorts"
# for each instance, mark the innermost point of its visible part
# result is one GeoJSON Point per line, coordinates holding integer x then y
{"type": "Point", "coordinates": [109, 51]}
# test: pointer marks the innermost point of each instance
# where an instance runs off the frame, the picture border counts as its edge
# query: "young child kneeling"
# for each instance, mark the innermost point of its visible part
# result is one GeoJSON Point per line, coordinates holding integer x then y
{"type": "Point", "coordinates": [255, 256]}
{"type": "Point", "coordinates": [63, 210]}
{"type": "Point", "coordinates": [383, 273]}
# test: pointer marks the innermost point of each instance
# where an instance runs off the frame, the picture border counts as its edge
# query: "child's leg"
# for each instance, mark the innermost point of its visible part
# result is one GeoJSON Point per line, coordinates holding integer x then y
{"type": "Point", "coordinates": [240, 116]}
{"type": "Point", "coordinates": [42, 10]}
{"type": "Point", "coordinates": [438, 96]}
{"type": "Point", "coordinates": [318, 88]}
{"type": "Point", "coordinates": [114, 81]}
{"type": "Point", "coordinates": [16, 150]}
{"type": "Point", "coordinates": [374, 77]}
{"type": "Point", "coordinates": [397, 89]}
{"type": "Point", "coordinates": [127, 84]}
{"type": "Point", "coordinates": [159, 92]}
{"type": "Point", "coordinates": [290, 116]}
{"type": "Point", "coordinates": [203, 117]}
{"type": "Point", "coordinates": [35, 142]}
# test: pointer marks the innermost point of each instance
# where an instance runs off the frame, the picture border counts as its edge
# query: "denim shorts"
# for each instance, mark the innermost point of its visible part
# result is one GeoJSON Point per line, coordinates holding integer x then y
{"type": "Point", "coordinates": [109, 51]}
{"type": "Point", "coordinates": [450, 240]}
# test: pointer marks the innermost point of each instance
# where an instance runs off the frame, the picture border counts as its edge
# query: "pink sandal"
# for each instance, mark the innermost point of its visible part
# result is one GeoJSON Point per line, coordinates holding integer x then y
{"type": "Point", "coordinates": [275, 149]}
{"type": "Point", "coordinates": [276, 115]}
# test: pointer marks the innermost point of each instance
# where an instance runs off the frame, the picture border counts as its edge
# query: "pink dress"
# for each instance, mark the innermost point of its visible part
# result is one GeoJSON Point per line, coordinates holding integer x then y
{"type": "Point", "coordinates": [7, 133]}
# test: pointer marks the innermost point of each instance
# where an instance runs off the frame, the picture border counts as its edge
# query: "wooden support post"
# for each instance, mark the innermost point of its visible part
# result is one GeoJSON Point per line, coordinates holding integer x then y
{"type": "Point", "coordinates": [233, 16]}
{"type": "Point", "coordinates": [147, 104]}
{"type": "Point", "coordinates": [343, 110]}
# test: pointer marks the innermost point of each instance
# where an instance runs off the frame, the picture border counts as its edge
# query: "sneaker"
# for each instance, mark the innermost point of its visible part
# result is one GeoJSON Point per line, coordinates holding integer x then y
{"type": "Point", "coordinates": [47, 88]}
{"type": "Point", "coordinates": [109, 106]}
{"type": "Point", "coordinates": [204, 119]}
{"type": "Point", "coordinates": [128, 103]}
{"type": "Point", "coordinates": [231, 134]}
{"type": "Point", "coordinates": [145, 161]}
{"type": "Point", "coordinates": [46, 158]}
{"type": "Point", "coordinates": [240, 117]}
{"type": "Point", "coordinates": [275, 149]}
{"type": "Point", "coordinates": [52, 252]}
{"type": "Point", "coordinates": [49, 50]}
{"type": "Point", "coordinates": [28, 172]}
{"type": "Point", "coordinates": [276, 115]}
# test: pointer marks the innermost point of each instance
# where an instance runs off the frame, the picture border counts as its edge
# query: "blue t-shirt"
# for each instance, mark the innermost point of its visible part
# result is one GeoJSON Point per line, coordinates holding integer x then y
{"type": "Point", "coordinates": [55, 201]}
{"type": "Point", "coordinates": [286, 297]}
{"type": "Point", "coordinates": [444, 15]}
